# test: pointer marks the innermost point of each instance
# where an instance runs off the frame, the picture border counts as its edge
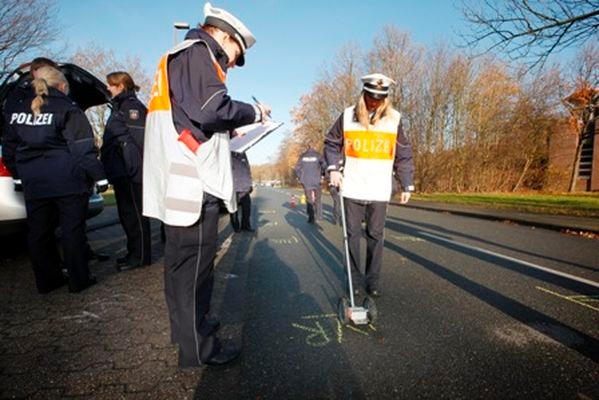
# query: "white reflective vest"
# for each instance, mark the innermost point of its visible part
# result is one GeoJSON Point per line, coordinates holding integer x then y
{"type": "Point", "coordinates": [174, 177]}
{"type": "Point", "coordinates": [369, 156]}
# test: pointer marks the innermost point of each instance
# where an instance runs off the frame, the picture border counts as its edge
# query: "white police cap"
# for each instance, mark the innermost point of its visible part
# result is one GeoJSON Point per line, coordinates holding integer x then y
{"type": "Point", "coordinates": [229, 23]}
{"type": "Point", "coordinates": [377, 85]}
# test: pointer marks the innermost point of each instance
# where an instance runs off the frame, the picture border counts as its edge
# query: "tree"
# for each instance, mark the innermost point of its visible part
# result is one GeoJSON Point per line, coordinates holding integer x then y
{"type": "Point", "coordinates": [531, 30]}
{"type": "Point", "coordinates": [25, 26]}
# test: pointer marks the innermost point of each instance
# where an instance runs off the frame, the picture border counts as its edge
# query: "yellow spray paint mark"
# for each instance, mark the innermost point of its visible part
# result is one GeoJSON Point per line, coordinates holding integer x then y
{"type": "Point", "coordinates": [318, 336]}
{"type": "Point", "coordinates": [578, 299]}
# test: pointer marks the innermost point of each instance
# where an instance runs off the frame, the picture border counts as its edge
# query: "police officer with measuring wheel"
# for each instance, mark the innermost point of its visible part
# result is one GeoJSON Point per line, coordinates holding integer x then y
{"type": "Point", "coordinates": [49, 146]}
{"type": "Point", "coordinates": [369, 142]}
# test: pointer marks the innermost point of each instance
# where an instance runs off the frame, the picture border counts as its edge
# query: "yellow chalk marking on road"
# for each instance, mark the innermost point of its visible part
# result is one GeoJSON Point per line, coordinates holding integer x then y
{"type": "Point", "coordinates": [318, 336]}
{"type": "Point", "coordinates": [320, 316]}
{"type": "Point", "coordinates": [353, 328]}
{"type": "Point", "coordinates": [574, 299]}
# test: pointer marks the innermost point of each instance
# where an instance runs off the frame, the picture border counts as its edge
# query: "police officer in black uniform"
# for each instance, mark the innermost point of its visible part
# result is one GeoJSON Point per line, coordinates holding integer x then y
{"type": "Point", "coordinates": [242, 182]}
{"type": "Point", "coordinates": [201, 106]}
{"type": "Point", "coordinates": [122, 151]}
{"type": "Point", "coordinates": [309, 169]}
{"type": "Point", "coordinates": [48, 145]}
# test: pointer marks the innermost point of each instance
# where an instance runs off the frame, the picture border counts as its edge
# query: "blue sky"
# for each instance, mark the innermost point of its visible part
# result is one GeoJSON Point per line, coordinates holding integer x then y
{"type": "Point", "coordinates": [296, 39]}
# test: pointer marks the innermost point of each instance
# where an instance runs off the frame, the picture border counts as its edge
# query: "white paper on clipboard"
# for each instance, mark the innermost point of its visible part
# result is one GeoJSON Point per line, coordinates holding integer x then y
{"type": "Point", "coordinates": [252, 134]}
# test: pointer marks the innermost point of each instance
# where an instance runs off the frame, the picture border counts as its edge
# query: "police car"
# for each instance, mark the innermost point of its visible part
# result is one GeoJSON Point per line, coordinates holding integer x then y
{"type": "Point", "coordinates": [85, 89]}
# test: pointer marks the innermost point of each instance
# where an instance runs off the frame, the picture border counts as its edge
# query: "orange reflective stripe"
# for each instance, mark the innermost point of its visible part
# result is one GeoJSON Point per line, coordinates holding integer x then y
{"type": "Point", "coordinates": [160, 99]}
{"type": "Point", "coordinates": [370, 144]}
{"type": "Point", "coordinates": [219, 71]}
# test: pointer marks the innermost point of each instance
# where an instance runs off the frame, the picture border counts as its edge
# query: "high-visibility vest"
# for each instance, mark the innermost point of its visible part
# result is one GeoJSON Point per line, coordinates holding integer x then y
{"type": "Point", "coordinates": [369, 155]}
{"type": "Point", "coordinates": [175, 177]}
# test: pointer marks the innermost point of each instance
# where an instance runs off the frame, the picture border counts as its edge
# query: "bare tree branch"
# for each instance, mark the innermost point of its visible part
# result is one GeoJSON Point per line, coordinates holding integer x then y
{"type": "Point", "coordinates": [25, 26]}
{"type": "Point", "coordinates": [530, 30]}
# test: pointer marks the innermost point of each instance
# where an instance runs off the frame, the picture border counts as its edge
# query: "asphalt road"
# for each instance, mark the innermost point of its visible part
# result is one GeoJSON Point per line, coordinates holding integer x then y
{"type": "Point", "coordinates": [470, 309]}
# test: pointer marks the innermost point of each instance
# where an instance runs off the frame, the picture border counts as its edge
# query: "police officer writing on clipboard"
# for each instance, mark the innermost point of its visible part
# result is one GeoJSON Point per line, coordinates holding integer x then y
{"type": "Point", "coordinates": [187, 169]}
{"type": "Point", "coordinates": [49, 146]}
{"type": "Point", "coordinates": [369, 141]}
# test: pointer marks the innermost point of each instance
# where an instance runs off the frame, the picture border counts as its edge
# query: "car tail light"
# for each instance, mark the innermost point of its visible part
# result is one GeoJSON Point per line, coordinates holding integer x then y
{"type": "Point", "coordinates": [3, 170]}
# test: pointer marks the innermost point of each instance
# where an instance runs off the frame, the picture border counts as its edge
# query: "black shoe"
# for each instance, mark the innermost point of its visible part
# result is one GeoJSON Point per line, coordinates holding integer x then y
{"type": "Point", "coordinates": [248, 229]}
{"type": "Point", "coordinates": [122, 260]}
{"type": "Point", "coordinates": [228, 352]}
{"type": "Point", "coordinates": [127, 266]}
{"type": "Point", "coordinates": [374, 292]}
{"type": "Point", "coordinates": [97, 255]}
{"type": "Point", "coordinates": [90, 282]}
{"type": "Point", "coordinates": [49, 288]}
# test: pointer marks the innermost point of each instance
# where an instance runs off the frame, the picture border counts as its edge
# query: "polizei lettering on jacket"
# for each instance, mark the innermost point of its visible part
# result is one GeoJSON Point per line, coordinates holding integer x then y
{"type": "Point", "coordinates": [30, 119]}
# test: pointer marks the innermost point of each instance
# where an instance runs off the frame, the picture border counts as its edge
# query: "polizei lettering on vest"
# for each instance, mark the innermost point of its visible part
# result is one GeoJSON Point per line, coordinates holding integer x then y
{"type": "Point", "coordinates": [369, 145]}
{"type": "Point", "coordinates": [30, 119]}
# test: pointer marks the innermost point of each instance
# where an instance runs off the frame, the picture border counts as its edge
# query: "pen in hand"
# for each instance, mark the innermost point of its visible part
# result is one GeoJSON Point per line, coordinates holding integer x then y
{"type": "Point", "coordinates": [262, 105]}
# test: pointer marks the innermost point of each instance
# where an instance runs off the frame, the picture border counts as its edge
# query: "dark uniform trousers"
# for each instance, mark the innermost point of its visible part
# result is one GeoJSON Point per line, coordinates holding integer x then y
{"type": "Point", "coordinates": [374, 213]}
{"type": "Point", "coordinates": [189, 279]}
{"type": "Point", "coordinates": [313, 206]}
{"type": "Point", "coordinates": [43, 216]}
{"type": "Point", "coordinates": [128, 196]}
{"type": "Point", "coordinates": [244, 202]}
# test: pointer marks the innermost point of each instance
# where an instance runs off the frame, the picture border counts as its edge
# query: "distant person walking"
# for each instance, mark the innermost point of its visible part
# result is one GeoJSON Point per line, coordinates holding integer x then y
{"type": "Point", "coordinates": [368, 141]}
{"type": "Point", "coordinates": [48, 145]}
{"type": "Point", "coordinates": [309, 169]}
{"type": "Point", "coordinates": [242, 182]}
{"type": "Point", "coordinates": [122, 150]}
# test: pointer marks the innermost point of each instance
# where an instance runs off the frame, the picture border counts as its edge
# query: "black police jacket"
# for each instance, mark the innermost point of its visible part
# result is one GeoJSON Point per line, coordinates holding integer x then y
{"type": "Point", "coordinates": [53, 153]}
{"type": "Point", "coordinates": [123, 139]}
{"type": "Point", "coordinates": [199, 98]}
{"type": "Point", "coordinates": [310, 168]}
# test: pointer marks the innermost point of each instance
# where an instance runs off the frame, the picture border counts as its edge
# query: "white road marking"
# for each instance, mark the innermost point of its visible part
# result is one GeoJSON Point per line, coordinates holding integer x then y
{"type": "Point", "coordinates": [516, 260]}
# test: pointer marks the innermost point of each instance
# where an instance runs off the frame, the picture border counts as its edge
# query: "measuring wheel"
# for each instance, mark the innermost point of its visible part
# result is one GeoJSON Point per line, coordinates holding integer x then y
{"type": "Point", "coordinates": [343, 310]}
{"type": "Point", "coordinates": [371, 310]}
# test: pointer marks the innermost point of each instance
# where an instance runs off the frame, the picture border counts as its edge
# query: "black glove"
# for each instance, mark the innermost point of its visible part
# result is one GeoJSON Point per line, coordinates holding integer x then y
{"type": "Point", "coordinates": [18, 185]}
{"type": "Point", "coordinates": [102, 186]}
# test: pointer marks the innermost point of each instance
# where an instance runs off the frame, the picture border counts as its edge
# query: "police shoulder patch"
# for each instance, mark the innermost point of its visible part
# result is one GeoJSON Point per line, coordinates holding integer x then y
{"type": "Point", "coordinates": [133, 115]}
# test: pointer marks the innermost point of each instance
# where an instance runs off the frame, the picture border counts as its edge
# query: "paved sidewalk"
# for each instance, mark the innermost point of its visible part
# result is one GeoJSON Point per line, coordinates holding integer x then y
{"type": "Point", "coordinates": [112, 341]}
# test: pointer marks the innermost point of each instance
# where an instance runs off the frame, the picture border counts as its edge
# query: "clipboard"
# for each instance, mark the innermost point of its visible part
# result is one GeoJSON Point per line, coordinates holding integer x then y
{"type": "Point", "coordinates": [252, 134]}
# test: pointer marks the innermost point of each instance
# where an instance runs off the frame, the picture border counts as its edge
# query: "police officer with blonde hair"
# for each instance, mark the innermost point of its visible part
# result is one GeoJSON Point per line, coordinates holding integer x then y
{"type": "Point", "coordinates": [187, 171]}
{"type": "Point", "coordinates": [49, 145]}
{"type": "Point", "coordinates": [366, 150]}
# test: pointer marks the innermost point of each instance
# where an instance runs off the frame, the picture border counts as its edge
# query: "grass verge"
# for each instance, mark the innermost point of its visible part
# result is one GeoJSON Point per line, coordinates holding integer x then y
{"type": "Point", "coordinates": [584, 205]}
